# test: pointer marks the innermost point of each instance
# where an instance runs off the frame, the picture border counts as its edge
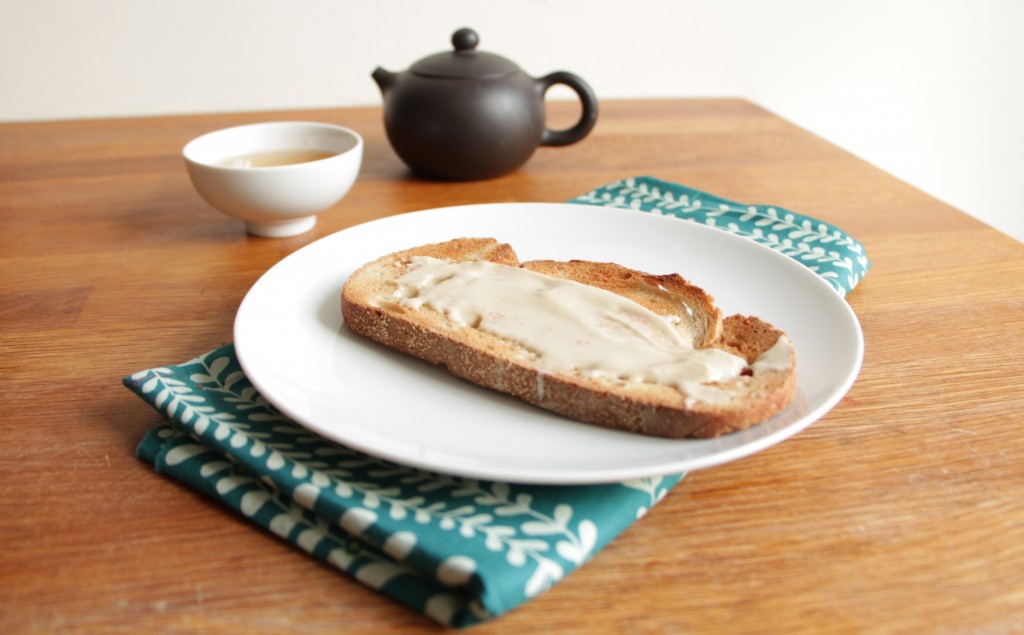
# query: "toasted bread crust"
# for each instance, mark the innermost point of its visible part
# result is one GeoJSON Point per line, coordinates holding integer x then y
{"type": "Point", "coordinates": [502, 365]}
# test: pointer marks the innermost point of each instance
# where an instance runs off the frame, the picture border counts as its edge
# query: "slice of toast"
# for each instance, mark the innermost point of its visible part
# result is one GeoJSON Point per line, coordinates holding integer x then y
{"type": "Point", "coordinates": [374, 305]}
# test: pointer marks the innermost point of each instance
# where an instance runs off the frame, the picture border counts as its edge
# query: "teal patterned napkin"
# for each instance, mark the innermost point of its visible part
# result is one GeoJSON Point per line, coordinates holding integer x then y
{"type": "Point", "coordinates": [458, 550]}
{"type": "Point", "coordinates": [825, 249]}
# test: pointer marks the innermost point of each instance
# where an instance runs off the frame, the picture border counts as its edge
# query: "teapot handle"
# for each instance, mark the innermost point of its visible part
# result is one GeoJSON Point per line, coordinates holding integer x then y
{"type": "Point", "coordinates": [587, 118]}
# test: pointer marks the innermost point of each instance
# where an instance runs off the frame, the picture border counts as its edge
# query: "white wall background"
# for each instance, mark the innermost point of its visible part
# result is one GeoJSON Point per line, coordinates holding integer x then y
{"type": "Point", "coordinates": [931, 91]}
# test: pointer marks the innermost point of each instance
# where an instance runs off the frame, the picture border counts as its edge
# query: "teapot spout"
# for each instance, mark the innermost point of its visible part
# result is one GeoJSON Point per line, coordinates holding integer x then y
{"type": "Point", "coordinates": [385, 79]}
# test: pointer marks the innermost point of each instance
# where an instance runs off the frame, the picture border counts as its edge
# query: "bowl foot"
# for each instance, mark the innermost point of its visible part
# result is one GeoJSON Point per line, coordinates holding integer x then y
{"type": "Point", "coordinates": [281, 230]}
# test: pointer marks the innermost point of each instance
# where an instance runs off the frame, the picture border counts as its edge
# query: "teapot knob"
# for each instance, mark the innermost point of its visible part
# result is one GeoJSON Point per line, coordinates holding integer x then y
{"type": "Point", "coordinates": [465, 40]}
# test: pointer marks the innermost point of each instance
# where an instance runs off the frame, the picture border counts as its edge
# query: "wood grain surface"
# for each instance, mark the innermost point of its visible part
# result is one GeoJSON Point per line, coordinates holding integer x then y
{"type": "Point", "coordinates": [901, 511]}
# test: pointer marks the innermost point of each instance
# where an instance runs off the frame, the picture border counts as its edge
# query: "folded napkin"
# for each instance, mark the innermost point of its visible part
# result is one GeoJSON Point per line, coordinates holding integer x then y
{"type": "Point", "coordinates": [825, 249]}
{"type": "Point", "coordinates": [458, 550]}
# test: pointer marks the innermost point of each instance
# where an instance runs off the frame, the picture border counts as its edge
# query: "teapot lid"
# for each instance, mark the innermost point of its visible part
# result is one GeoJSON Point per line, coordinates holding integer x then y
{"type": "Point", "coordinates": [465, 62]}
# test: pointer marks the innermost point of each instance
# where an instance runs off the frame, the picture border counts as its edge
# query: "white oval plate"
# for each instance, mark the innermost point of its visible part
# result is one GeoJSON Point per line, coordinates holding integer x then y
{"type": "Point", "coordinates": [293, 346]}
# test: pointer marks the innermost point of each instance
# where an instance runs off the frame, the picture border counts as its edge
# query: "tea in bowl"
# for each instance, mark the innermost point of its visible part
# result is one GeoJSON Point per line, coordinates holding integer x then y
{"type": "Point", "coordinates": [275, 176]}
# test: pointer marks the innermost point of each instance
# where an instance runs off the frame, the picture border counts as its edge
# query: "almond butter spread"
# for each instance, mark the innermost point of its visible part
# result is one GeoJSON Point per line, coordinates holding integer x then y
{"type": "Point", "coordinates": [573, 327]}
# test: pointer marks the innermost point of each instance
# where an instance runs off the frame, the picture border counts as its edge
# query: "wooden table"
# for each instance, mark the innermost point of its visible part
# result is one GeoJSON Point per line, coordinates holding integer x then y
{"type": "Point", "coordinates": [900, 511]}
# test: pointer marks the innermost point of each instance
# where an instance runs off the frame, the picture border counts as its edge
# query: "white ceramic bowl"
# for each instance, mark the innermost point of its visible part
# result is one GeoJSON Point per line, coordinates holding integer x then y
{"type": "Point", "coordinates": [282, 200]}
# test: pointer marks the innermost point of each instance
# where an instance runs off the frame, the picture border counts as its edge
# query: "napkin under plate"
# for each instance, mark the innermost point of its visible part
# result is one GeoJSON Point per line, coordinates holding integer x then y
{"type": "Point", "coordinates": [824, 248]}
{"type": "Point", "coordinates": [458, 550]}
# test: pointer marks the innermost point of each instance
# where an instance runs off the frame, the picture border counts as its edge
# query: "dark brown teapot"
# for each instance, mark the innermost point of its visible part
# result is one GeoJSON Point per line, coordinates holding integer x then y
{"type": "Point", "coordinates": [467, 115]}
